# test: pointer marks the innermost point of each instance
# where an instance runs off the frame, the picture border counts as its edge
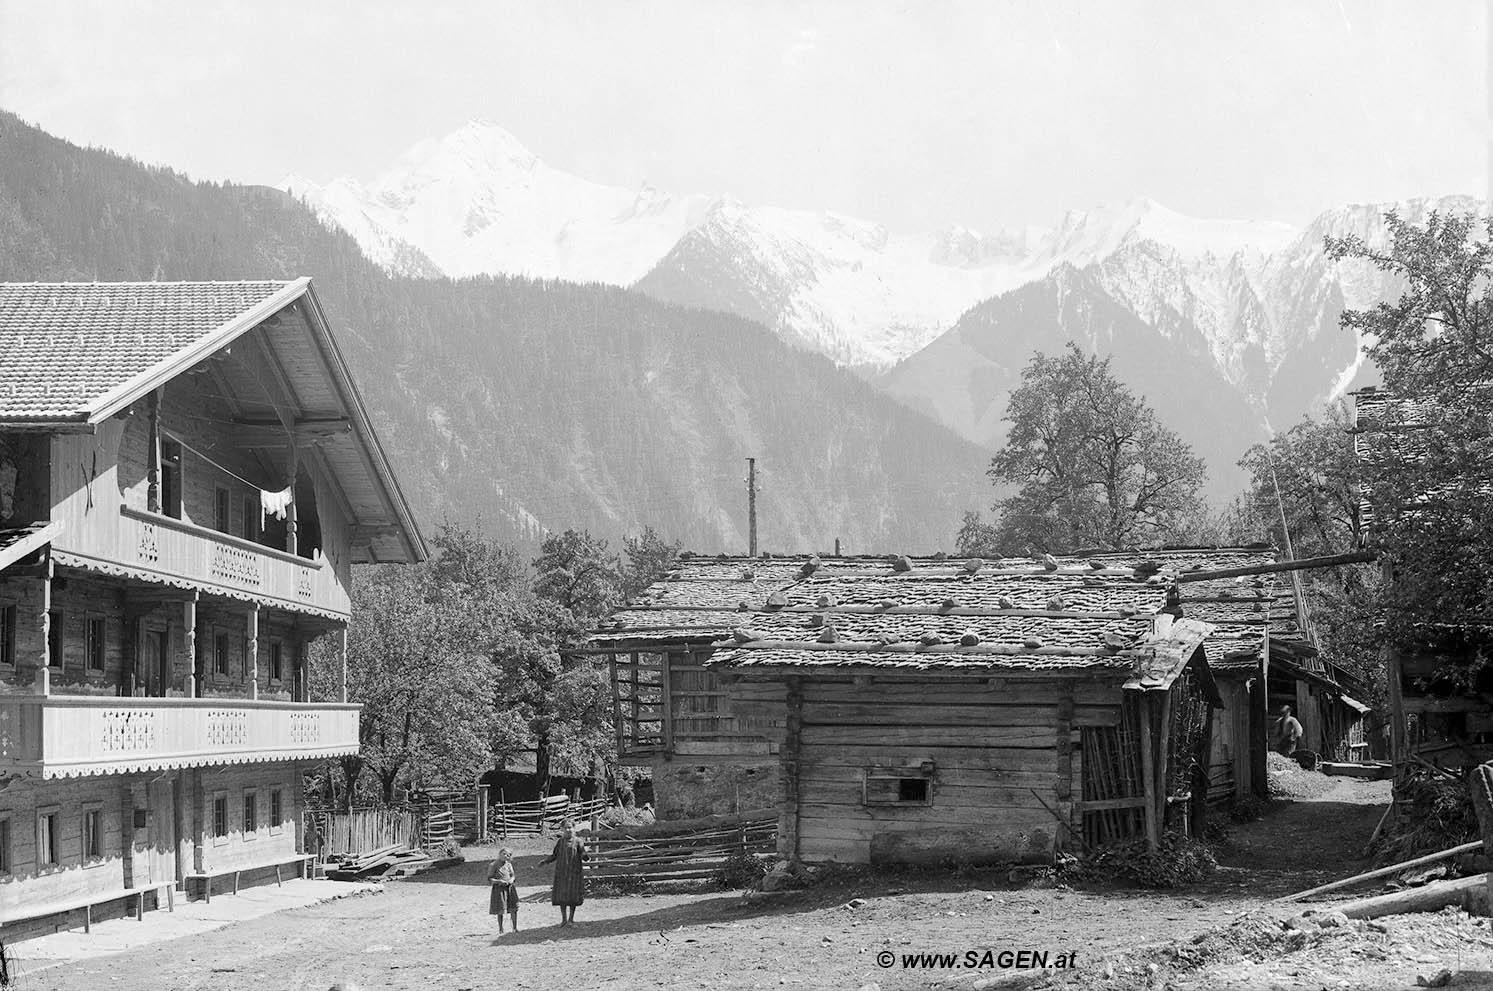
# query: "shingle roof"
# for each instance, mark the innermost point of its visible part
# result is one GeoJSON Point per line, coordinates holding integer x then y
{"type": "Point", "coordinates": [1089, 612]}
{"type": "Point", "coordinates": [17, 542]}
{"type": "Point", "coordinates": [66, 347]}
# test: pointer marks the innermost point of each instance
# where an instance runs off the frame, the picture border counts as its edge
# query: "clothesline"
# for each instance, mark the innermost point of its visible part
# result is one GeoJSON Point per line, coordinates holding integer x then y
{"type": "Point", "coordinates": [275, 504]}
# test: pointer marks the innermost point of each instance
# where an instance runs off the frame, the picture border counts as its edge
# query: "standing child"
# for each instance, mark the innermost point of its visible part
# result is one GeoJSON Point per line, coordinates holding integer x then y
{"type": "Point", "coordinates": [570, 886]}
{"type": "Point", "coordinates": [504, 896]}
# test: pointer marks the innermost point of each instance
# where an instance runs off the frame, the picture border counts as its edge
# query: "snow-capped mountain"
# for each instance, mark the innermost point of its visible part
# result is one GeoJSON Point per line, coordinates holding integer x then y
{"type": "Point", "coordinates": [477, 202]}
{"type": "Point", "coordinates": [1256, 303]}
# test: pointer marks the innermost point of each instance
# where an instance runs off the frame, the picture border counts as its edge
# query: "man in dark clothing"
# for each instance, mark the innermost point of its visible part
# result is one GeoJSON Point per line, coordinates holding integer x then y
{"type": "Point", "coordinates": [1287, 732]}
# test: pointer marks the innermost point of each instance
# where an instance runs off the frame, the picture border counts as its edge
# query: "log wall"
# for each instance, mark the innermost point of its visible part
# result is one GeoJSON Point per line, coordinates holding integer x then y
{"type": "Point", "coordinates": [999, 765]}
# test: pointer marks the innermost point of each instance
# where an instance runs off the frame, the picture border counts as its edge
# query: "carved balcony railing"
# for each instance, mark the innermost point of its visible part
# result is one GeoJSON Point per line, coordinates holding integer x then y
{"type": "Point", "coordinates": [60, 736]}
{"type": "Point", "coordinates": [175, 549]}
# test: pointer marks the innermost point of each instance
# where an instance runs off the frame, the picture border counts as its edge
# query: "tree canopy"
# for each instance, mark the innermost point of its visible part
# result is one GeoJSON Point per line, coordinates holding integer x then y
{"type": "Point", "coordinates": [1093, 464]}
{"type": "Point", "coordinates": [1429, 461]}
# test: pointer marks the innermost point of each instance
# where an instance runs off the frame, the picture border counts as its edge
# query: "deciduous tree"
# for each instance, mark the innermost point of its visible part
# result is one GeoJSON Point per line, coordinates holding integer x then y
{"type": "Point", "coordinates": [1094, 465]}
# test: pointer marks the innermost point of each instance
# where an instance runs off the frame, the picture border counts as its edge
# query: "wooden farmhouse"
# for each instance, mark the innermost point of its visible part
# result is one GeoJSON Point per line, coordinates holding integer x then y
{"type": "Point", "coordinates": [187, 474]}
{"type": "Point", "coordinates": [1433, 719]}
{"type": "Point", "coordinates": [914, 710]}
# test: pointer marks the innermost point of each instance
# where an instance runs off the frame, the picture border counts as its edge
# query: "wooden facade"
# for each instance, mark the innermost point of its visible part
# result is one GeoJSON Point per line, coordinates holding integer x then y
{"type": "Point", "coordinates": [989, 698]}
{"type": "Point", "coordinates": [155, 622]}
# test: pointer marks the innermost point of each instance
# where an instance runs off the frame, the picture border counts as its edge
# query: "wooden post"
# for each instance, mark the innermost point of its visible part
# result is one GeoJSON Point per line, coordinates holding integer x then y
{"type": "Point", "coordinates": [251, 651]}
{"type": "Point", "coordinates": [1147, 770]}
{"type": "Point", "coordinates": [42, 685]}
{"type": "Point", "coordinates": [1398, 746]}
{"type": "Point", "coordinates": [153, 456]}
{"type": "Point", "coordinates": [1163, 759]}
{"type": "Point", "coordinates": [666, 701]}
{"type": "Point", "coordinates": [788, 819]}
{"type": "Point", "coordinates": [292, 521]}
{"type": "Point", "coordinates": [1063, 786]}
{"type": "Point", "coordinates": [342, 664]}
{"type": "Point", "coordinates": [189, 643]}
{"type": "Point", "coordinates": [482, 791]}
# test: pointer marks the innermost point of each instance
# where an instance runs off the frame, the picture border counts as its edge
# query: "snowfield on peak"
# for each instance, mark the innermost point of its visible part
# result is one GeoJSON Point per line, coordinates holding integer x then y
{"type": "Point", "coordinates": [478, 202]}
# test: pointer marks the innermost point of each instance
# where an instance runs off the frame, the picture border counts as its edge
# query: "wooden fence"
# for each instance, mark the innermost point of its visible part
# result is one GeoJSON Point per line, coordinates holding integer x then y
{"type": "Point", "coordinates": [361, 830]}
{"type": "Point", "coordinates": [699, 850]}
{"type": "Point", "coordinates": [525, 818]}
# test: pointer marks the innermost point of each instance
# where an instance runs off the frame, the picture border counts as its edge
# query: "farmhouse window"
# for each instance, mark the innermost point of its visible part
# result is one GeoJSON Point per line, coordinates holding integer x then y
{"type": "Point", "coordinates": [912, 787]}
{"type": "Point", "coordinates": [5, 862]}
{"type": "Point", "coordinates": [8, 635]}
{"type": "Point", "coordinates": [54, 638]}
{"type": "Point", "coordinates": [171, 478]}
{"type": "Point", "coordinates": [223, 511]}
{"type": "Point", "coordinates": [220, 654]}
{"type": "Point", "coordinates": [93, 834]}
{"type": "Point", "coordinates": [277, 661]}
{"type": "Point", "coordinates": [46, 839]}
{"type": "Point", "coordinates": [277, 809]}
{"type": "Point", "coordinates": [251, 814]}
{"type": "Point", "coordinates": [97, 628]}
{"type": "Point", "coordinates": [220, 817]}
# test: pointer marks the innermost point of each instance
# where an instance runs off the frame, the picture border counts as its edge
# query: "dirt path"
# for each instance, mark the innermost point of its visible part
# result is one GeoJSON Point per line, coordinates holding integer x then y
{"type": "Point", "coordinates": [1304, 842]}
{"type": "Point", "coordinates": [433, 931]}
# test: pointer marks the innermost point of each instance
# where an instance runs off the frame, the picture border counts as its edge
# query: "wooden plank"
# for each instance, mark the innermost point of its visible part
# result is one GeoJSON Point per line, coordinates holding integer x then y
{"type": "Point", "coordinates": [817, 849]}
{"type": "Point", "coordinates": [1103, 804]}
{"type": "Point", "coordinates": [995, 689]}
{"type": "Point", "coordinates": [849, 793]}
{"type": "Point", "coordinates": [880, 735]}
{"type": "Point", "coordinates": [1300, 564]}
{"type": "Point", "coordinates": [827, 823]}
{"type": "Point", "coordinates": [992, 758]}
{"type": "Point", "coordinates": [906, 713]}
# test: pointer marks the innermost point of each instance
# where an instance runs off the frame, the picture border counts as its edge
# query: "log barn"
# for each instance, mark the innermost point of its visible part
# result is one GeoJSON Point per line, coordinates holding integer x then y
{"type": "Point", "coordinates": [187, 475]}
{"type": "Point", "coordinates": [922, 709]}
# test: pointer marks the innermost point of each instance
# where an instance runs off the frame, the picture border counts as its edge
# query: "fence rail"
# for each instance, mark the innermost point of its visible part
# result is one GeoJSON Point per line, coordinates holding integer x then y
{"type": "Point", "coordinates": [687, 854]}
{"type": "Point", "coordinates": [544, 814]}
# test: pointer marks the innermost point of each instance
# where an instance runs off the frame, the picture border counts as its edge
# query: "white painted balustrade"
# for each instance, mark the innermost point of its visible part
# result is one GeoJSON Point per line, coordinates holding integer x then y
{"type": "Point", "coordinates": [65, 736]}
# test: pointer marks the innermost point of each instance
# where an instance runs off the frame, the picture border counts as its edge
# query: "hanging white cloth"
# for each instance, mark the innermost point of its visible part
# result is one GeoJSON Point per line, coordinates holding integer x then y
{"type": "Point", "coordinates": [276, 504]}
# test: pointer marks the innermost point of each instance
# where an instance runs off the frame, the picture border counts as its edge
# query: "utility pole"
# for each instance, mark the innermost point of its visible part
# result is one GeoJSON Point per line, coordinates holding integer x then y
{"type": "Point", "coordinates": [751, 507]}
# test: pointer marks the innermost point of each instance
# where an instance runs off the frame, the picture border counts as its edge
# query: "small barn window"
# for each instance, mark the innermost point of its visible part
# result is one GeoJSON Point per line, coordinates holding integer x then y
{"type": "Point", "coordinates": [910, 787]}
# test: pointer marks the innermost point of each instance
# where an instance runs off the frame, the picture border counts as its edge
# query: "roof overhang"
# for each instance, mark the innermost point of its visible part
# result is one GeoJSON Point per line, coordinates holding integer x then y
{"type": "Point", "coordinates": [28, 544]}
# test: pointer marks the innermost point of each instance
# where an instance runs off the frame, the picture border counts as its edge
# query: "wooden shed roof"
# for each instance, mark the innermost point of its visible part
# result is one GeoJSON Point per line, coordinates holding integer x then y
{"type": "Point", "coordinates": [1076, 613]}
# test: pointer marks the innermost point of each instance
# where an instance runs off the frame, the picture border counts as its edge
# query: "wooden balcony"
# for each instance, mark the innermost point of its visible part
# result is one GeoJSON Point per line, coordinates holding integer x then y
{"type": "Point", "coordinates": [63, 736]}
{"type": "Point", "coordinates": [153, 545]}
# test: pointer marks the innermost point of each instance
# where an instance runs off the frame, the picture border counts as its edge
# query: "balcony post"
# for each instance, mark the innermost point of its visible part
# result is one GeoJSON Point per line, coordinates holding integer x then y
{"type": "Point", "coordinates": [153, 456]}
{"type": "Point", "coordinates": [251, 651]}
{"type": "Point", "coordinates": [292, 524]}
{"type": "Point", "coordinates": [342, 663]}
{"type": "Point", "coordinates": [193, 682]}
{"type": "Point", "coordinates": [42, 685]}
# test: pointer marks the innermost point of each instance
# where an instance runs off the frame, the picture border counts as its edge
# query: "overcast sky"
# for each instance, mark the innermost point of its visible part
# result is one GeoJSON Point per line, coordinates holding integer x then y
{"type": "Point", "coordinates": [915, 114]}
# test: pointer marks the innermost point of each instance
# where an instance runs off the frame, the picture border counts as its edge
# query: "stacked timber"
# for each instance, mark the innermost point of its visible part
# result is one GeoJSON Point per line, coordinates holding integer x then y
{"type": "Point", "coordinates": [683, 850]}
{"type": "Point", "coordinates": [393, 861]}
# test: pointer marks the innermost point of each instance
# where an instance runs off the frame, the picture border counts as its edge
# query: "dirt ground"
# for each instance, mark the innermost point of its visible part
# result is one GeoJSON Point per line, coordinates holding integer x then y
{"type": "Point", "coordinates": [433, 931]}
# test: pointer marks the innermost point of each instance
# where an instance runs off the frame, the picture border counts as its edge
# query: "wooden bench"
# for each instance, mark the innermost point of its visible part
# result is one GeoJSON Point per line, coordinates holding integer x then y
{"type": "Point", "coordinates": [305, 861]}
{"type": "Point", "coordinates": [87, 902]}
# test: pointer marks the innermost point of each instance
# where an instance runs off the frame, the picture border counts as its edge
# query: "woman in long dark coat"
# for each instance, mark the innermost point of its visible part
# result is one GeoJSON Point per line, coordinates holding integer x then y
{"type": "Point", "coordinates": [569, 889]}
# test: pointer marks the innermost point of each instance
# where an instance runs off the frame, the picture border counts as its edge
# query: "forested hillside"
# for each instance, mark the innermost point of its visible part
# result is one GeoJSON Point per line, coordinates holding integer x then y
{"type": "Point", "coordinates": [531, 404]}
